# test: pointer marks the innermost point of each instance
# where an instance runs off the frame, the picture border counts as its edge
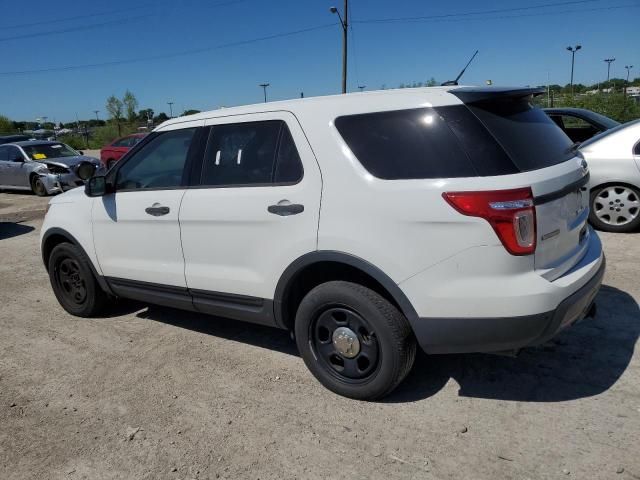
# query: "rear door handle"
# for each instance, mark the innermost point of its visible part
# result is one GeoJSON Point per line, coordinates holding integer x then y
{"type": "Point", "coordinates": [284, 208]}
{"type": "Point", "coordinates": [157, 210]}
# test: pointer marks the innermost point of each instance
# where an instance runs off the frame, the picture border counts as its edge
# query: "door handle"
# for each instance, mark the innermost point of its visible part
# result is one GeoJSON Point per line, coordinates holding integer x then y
{"type": "Point", "coordinates": [157, 210]}
{"type": "Point", "coordinates": [284, 208]}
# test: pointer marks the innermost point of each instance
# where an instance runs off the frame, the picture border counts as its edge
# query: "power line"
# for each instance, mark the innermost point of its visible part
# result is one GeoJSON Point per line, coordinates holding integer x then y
{"type": "Point", "coordinates": [100, 14]}
{"type": "Point", "coordinates": [477, 12]}
{"type": "Point", "coordinates": [169, 55]}
{"type": "Point", "coordinates": [72, 29]}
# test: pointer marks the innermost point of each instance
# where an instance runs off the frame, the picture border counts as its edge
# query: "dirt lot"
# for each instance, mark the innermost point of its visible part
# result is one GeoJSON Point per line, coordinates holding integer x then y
{"type": "Point", "coordinates": [157, 393]}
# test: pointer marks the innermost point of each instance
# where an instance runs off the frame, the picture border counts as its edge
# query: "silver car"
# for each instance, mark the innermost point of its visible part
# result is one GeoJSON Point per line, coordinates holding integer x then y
{"type": "Point", "coordinates": [41, 166]}
{"type": "Point", "coordinates": [614, 164]}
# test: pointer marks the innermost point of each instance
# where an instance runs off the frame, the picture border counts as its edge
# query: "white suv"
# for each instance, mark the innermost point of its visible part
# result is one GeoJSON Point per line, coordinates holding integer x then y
{"type": "Point", "coordinates": [452, 217]}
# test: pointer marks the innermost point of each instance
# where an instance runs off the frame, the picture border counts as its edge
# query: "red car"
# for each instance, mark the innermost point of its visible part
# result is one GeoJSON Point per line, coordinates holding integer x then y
{"type": "Point", "coordinates": [113, 152]}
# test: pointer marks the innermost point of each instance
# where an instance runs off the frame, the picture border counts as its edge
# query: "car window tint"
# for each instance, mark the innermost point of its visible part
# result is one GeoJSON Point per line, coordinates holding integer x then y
{"type": "Point", "coordinates": [569, 121]}
{"type": "Point", "coordinates": [636, 149]}
{"type": "Point", "coordinates": [288, 164]}
{"type": "Point", "coordinates": [159, 164]}
{"type": "Point", "coordinates": [4, 154]}
{"type": "Point", "coordinates": [531, 139]}
{"type": "Point", "coordinates": [123, 142]}
{"type": "Point", "coordinates": [14, 153]}
{"type": "Point", "coordinates": [405, 144]}
{"type": "Point", "coordinates": [241, 153]}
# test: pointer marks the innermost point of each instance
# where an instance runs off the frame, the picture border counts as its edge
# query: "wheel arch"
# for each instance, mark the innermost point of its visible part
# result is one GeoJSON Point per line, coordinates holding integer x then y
{"type": "Point", "coordinates": [54, 237]}
{"type": "Point", "coordinates": [318, 267]}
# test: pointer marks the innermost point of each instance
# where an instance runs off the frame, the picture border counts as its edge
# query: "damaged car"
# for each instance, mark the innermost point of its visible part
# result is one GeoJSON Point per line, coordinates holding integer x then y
{"type": "Point", "coordinates": [44, 167]}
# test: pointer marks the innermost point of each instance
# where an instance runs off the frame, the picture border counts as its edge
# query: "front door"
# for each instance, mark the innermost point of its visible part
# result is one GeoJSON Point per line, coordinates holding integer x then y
{"type": "Point", "coordinates": [255, 211]}
{"type": "Point", "coordinates": [136, 231]}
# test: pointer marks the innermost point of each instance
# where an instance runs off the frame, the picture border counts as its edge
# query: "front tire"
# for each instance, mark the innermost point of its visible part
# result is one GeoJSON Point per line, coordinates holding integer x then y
{"type": "Point", "coordinates": [73, 282]}
{"type": "Point", "coordinates": [37, 186]}
{"type": "Point", "coordinates": [615, 208]}
{"type": "Point", "coordinates": [354, 341]}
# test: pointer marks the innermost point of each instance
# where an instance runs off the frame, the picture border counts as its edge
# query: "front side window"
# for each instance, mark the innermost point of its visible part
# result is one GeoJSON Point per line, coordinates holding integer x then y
{"type": "Point", "coordinates": [4, 154]}
{"type": "Point", "coordinates": [250, 153]}
{"type": "Point", "coordinates": [158, 164]}
{"type": "Point", "coordinates": [124, 142]}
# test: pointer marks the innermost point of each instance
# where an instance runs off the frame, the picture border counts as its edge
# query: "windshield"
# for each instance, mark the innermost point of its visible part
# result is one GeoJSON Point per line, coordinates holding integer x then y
{"type": "Point", "coordinates": [606, 133]}
{"type": "Point", "coordinates": [49, 150]}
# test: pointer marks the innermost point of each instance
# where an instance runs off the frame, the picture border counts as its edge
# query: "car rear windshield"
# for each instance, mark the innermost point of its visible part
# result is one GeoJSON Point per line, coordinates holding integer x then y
{"type": "Point", "coordinates": [487, 139]}
{"type": "Point", "coordinates": [531, 139]}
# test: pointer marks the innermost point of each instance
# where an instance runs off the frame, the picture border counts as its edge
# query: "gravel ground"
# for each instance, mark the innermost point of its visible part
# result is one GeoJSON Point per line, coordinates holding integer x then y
{"type": "Point", "coordinates": [157, 393]}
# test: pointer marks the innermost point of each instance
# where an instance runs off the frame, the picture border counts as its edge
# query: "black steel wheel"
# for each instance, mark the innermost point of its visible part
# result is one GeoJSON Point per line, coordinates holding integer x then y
{"type": "Point", "coordinates": [346, 343]}
{"type": "Point", "coordinates": [74, 283]}
{"type": "Point", "coordinates": [37, 186]}
{"type": "Point", "coordinates": [353, 340]}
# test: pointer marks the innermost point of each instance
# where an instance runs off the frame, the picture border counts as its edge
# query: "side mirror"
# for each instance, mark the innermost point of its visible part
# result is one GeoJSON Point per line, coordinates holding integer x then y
{"type": "Point", "coordinates": [96, 187]}
{"type": "Point", "coordinates": [85, 170]}
{"type": "Point", "coordinates": [80, 152]}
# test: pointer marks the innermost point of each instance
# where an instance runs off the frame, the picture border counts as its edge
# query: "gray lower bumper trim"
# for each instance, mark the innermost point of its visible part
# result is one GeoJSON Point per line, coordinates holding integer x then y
{"type": "Point", "coordinates": [465, 335]}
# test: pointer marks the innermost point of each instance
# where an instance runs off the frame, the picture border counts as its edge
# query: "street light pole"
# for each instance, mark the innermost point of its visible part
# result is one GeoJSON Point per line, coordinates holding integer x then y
{"type": "Point", "coordinates": [573, 51]}
{"type": "Point", "coordinates": [609, 61]}
{"type": "Point", "coordinates": [96, 112]}
{"type": "Point", "coordinates": [628, 67]}
{"type": "Point", "coordinates": [345, 29]}
{"type": "Point", "coordinates": [170, 109]}
{"type": "Point", "coordinates": [264, 90]}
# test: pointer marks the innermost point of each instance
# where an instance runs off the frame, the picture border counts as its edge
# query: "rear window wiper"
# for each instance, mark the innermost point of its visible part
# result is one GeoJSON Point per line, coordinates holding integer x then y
{"type": "Point", "coordinates": [574, 147]}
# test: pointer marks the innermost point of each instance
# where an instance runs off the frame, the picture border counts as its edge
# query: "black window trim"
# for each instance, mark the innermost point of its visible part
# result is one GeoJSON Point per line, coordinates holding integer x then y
{"type": "Point", "coordinates": [196, 171]}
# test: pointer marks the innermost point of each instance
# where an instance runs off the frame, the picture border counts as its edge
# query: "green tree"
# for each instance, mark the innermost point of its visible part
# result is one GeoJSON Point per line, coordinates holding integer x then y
{"type": "Point", "coordinates": [431, 82]}
{"type": "Point", "coordinates": [114, 108]}
{"type": "Point", "coordinates": [6, 125]}
{"type": "Point", "coordinates": [190, 112]}
{"type": "Point", "coordinates": [131, 105]}
{"type": "Point", "coordinates": [161, 117]}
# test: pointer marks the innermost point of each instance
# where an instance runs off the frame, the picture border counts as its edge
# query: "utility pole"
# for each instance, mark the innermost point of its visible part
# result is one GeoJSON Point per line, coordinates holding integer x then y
{"type": "Point", "coordinates": [609, 61]}
{"type": "Point", "coordinates": [345, 29]}
{"type": "Point", "coordinates": [264, 90]}
{"type": "Point", "coordinates": [573, 51]}
{"type": "Point", "coordinates": [96, 112]}
{"type": "Point", "coordinates": [170, 109]}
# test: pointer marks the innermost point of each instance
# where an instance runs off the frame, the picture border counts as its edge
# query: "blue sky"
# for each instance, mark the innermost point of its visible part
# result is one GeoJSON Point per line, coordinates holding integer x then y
{"type": "Point", "coordinates": [516, 48]}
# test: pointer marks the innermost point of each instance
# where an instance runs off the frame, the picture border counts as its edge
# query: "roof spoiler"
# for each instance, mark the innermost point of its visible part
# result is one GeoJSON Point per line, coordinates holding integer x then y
{"type": "Point", "coordinates": [481, 94]}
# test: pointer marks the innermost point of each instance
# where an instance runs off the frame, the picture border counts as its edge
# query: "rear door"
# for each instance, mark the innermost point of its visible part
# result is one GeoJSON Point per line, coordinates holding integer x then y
{"type": "Point", "coordinates": [255, 211]}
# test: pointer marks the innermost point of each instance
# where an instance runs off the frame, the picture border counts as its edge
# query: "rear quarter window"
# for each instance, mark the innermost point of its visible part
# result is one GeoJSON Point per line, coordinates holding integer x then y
{"type": "Point", "coordinates": [405, 144]}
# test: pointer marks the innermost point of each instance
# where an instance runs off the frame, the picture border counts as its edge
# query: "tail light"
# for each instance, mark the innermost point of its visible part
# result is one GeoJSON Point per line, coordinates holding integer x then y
{"type": "Point", "coordinates": [511, 213]}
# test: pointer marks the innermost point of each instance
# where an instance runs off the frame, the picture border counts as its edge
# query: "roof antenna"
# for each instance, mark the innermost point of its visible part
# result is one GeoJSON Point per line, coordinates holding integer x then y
{"type": "Point", "coordinates": [455, 82]}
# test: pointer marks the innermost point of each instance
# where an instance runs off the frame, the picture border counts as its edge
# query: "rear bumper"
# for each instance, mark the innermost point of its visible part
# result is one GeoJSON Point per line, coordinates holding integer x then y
{"type": "Point", "coordinates": [495, 334]}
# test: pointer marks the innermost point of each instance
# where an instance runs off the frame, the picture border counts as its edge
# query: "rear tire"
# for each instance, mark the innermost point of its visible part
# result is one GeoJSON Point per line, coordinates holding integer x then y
{"type": "Point", "coordinates": [615, 208]}
{"type": "Point", "coordinates": [354, 341]}
{"type": "Point", "coordinates": [73, 282]}
{"type": "Point", "coordinates": [37, 186]}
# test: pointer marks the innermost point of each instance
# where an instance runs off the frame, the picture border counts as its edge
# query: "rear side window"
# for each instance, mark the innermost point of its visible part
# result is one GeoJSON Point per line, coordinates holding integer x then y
{"type": "Point", "coordinates": [405, 144]}
{"type": "Point", "coordinates": [251, 153]}
{"type": "Point", "coordinates": [530, 138]}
